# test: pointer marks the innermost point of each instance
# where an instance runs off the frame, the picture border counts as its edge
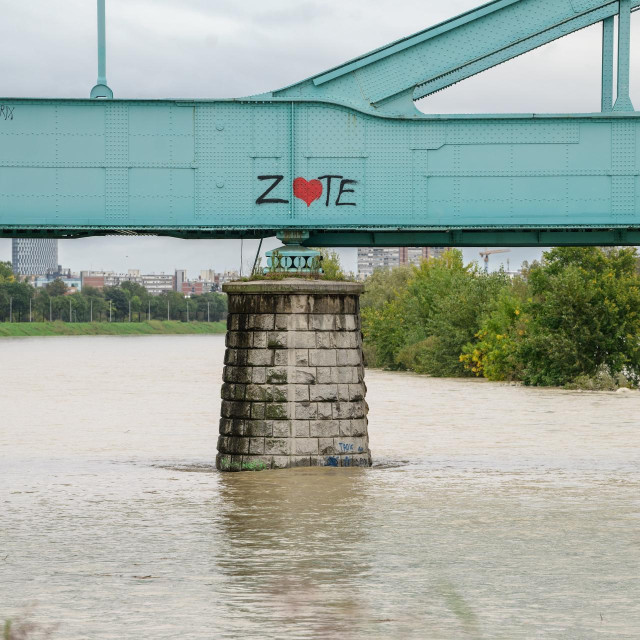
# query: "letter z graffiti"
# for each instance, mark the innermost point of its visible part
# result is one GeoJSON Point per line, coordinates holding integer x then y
{"type": "Point", "coordinates": [276, 180]}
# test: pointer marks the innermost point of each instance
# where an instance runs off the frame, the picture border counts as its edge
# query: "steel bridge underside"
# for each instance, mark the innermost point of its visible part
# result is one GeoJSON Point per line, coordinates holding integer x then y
{"type": "Point", "coordinates": [228, 169]}
{"type": "Point", "coordinates": [344, 158]}
{"type": "Point", "coordinates": [372, 237]}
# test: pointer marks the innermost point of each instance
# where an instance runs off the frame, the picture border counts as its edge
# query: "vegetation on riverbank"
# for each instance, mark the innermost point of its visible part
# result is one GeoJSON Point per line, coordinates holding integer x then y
{"type": "Point", "coordinates": [20, 302]}
{"type": "Point", "coordinates": [571, 320]}
{"type": "Point", "coordinates": [155, 327]}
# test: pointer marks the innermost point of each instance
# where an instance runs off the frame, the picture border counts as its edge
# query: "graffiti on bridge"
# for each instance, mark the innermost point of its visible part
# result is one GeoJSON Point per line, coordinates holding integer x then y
{"type": "Point", "coordinates": [311, 190]}
{"type": "Point", "coordinates": [6, 112]}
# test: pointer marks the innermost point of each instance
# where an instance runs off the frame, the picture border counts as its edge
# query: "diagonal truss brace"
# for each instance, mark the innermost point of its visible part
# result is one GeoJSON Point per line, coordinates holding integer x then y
{"type": "Point", "coordinates": [389, 79]}
{"type": "Point", "coordinates": [623, 103]}
{"type": "Point", "coordinates": [607, 64]}
{"type": "Point", "coordinates": [514, 50]}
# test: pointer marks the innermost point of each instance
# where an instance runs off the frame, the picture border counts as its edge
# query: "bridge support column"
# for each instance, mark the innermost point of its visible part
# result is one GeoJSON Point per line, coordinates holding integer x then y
{"type": "Point", "coordinates": [293, 392]}
{"type": "Point", "coordinates": [623, 103]}
{"type": "Point", "coordinates": [607, 64]}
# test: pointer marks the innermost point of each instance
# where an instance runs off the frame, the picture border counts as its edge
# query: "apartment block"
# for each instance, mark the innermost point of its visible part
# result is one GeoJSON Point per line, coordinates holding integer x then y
{"type": "Point", "coordinates": [372, 258]}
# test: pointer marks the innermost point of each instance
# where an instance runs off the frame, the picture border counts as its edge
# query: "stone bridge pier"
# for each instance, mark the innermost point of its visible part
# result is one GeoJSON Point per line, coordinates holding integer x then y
{"type": "Point", "coordinates": [293, 392]}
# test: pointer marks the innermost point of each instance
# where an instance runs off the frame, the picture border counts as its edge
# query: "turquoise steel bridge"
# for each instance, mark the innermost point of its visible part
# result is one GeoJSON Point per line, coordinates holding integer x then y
{"type": "Point", "coordinates": [343, 158]}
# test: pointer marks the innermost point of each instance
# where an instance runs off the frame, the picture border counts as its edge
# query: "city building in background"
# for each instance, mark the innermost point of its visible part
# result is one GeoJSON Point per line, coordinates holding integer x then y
{"type": "Point", "coordinates": [208, 282]}
{"type": "Point", "coordinates": [72, 281]}
{"type": "Point", "coordinates": [98, 279]}
{"type": "Point", "coordinates": [415, 255]}
{"type": "Point", "coordinates": [157, 283]}
{"type": "Point", "coordinates": [154, 283]}
{"type": "Point", "coordinates": [372, 258]}
{"type": "Point", "coordinates": [198, 287]}
{"type": "Point", "coordinates": [34, 256]}
{"type": "Point", "coordinates": [227, 276]}
{"type": "Point", "coordinates": [181, 278]}
{"type": "Point", "coordinates": [208, 275]}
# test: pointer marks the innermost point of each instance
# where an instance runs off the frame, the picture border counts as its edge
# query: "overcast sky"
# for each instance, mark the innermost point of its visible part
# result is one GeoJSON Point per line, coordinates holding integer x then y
{"type": "Point", "coordinates": [226, 48]}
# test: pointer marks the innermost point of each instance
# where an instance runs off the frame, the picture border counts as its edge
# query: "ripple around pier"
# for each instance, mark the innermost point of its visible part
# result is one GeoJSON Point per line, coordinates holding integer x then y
{"type": "Point", "coordinates": [492, 511]}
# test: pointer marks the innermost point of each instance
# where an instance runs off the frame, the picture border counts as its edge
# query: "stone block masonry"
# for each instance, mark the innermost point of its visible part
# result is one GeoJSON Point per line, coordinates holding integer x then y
{"type": "Point", "coordinates": [293, 392]}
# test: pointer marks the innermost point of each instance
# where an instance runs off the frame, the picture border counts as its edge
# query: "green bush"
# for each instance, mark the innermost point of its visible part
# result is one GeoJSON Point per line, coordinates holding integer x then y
{"type": "Point", "coordinates": [493, 352]}
{"type": "Point", "coordinates": [572, 319]}
{"type": "Point", "coordinates": [433, 313]}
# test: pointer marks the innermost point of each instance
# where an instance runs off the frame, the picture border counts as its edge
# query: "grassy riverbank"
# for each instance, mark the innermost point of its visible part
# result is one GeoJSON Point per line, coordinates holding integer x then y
{"type": "Point", "coordinates": [155, 327]}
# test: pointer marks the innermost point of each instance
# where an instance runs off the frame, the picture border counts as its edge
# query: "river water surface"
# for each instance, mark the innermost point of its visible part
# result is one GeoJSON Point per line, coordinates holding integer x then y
{"type": "Point", "coordinates": [492, 511]}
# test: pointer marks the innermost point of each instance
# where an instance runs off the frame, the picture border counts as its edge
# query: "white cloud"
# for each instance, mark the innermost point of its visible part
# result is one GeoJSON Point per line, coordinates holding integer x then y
{"type": "Point", "coordinates": [173, 23]}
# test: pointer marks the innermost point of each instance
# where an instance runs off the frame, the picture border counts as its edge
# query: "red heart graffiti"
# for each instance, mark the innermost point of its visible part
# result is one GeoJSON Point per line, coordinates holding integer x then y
{"type": "Point", "coordinates": [308, 191]}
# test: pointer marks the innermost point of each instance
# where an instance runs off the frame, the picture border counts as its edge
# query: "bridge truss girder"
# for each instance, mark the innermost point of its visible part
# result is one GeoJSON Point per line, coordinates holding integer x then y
{"type": "Point", "coordinates": [345, 156]}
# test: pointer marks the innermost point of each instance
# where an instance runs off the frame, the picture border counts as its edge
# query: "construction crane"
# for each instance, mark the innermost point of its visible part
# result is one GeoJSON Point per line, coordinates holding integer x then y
{"type": "Point", "coordinates": [490, 252]}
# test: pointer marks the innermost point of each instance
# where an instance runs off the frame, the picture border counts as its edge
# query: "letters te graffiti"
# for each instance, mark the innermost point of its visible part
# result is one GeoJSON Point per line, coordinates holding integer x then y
{"type": "Point", "coordinates": [6, 112]}
{"type": "Point", "coordinates": [311, 190]}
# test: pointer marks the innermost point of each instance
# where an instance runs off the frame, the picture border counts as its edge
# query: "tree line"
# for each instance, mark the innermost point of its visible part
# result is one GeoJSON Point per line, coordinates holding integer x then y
{"type": "Point", "coordinates": [572, 319]}
{"type": "Point", "coordinates": [130, 301]}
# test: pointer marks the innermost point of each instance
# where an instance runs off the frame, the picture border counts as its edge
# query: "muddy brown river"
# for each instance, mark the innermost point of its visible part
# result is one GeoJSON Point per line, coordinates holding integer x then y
{"type": "Point", "coordinates": [492, 511]}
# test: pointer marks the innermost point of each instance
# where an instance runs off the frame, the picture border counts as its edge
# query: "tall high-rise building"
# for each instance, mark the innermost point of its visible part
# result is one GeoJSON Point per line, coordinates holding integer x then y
{"type": "Point", "coordinates": [181, 278]}
{"type": "Point", "coordinates": [372, 258]}
{"type": "Point", "coordinates": [34, 256]}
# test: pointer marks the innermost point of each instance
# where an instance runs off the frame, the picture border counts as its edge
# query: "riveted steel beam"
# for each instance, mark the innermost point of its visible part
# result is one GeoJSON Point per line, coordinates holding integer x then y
{"type": "Point", "coordinates": [607, 63]}
{"type": "Point", "coordinates": [479, 238]}
{"type": "Point", "coordinates": [623, 103]}
{"type": "Point", "coordinates": [318, 159]}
